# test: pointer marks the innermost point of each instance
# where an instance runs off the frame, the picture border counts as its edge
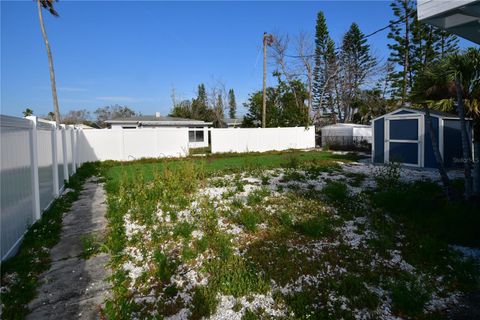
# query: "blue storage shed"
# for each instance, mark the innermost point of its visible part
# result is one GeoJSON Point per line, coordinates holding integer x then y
{"type": "Point", "coordinates": [403, 136]}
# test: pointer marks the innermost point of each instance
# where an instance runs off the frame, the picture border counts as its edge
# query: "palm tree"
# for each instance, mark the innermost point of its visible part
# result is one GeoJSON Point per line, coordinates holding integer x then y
{"type": "Point", "coordinates": [454, 83]}
{"type": "Point", "coordinates": [27, 112]}
{"type": "Point", "coordinates": [48, 4]}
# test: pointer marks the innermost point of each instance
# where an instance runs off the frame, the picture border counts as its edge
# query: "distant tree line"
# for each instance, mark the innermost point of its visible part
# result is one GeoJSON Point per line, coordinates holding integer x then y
{"type": "Point", "coordinates": [207, 106]}
{"type": "Point", "coordinates": [83, 116]}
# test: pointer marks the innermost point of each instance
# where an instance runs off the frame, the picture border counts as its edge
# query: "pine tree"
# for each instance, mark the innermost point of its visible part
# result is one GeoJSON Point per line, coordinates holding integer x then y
{"type": "Point", "coordinates": [446, 43]}
{"type": "Point", "coordinates": [401, 50]}
{"type": "Point", "coordinates": [357, 64]}
{"type": "Point", "coordinates": [219, 105]}
{"type": "Point", "coordinates": [200, 104]}
{"type": "Point", "coordinates": [416, 45]}
{"type": "Point", "coordinates": [232, 104]}
{"type": "Point", "coordinates": [320, 71]}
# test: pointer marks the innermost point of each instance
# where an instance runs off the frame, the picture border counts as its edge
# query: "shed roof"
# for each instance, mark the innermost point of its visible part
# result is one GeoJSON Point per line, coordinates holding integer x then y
{"type": "Point", "coordinates": [406, 111]}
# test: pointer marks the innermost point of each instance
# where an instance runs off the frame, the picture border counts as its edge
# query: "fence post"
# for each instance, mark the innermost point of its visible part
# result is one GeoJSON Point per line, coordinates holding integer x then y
{"type": "Point", "coordinates": [77, 152]}
{"type": "Point", "coordinates": [64, 152]}
{"type": "Point", "coordinates": [34, 164]}
{"type": "Point", "coordinates": [56, 188]}
{"type": "Point", "coordinates": [74, 153]}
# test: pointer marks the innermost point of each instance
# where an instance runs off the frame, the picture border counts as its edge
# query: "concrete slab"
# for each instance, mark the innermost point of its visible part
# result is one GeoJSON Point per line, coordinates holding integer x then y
{"type": "Point", "coordinates": [75, 288]}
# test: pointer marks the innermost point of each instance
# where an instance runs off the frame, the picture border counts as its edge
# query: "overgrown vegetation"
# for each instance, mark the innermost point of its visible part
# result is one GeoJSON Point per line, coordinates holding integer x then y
{"type": "Point", "coordinates": [296, 236]}
{"type": "Point", "coordinates": [283, 235]}
{"type": "Point", "coordinates": [19, 274]}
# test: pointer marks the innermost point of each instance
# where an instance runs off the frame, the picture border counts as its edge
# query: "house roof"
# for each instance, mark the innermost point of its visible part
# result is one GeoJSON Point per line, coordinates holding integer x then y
{"type": "Point", "coordinates": [233, 121]}
{"type": "Point", "coordinates": [154, 120]}
{"type": "Point", "coordinates": [460, 17]}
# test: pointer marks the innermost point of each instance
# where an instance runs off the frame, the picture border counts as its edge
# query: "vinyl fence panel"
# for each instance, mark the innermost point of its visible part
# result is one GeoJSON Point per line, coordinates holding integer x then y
{"type": "Point", "coordinates": [17, 199]}
{"type": "Point", "coordinates": [69, 145]}
{"type": "Point", "coordinates": [124, 145]}
{"type": "Point", "coordinates": [261, 139]}
{"type": "Point", "coordinates": [45, 163]}
{"type": "Point", "coordinates": [60, 159]}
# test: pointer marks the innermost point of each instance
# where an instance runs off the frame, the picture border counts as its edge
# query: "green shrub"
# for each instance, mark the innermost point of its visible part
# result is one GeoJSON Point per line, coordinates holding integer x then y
{"type": "Point", "coordinates": [250, 315]}
{"type": "Point", "coordinates": [336, 192]}
{"type": "Point", "coordinates": [236, 276]}
{"type": "Point", "coordinates": [204, 302]}
{"type": "Point", "coordinates": [408, 297]}
{"type": "Point", "coordinates": [257, 196]}
{"type": "Point", "coordinates": [285, 219]}
{"type": "Point", "coordinates": [316, 227]}
{"type": "Point", "coordinates": [183, 229]}
{"type": "Point", "coordinates": [249, 219]}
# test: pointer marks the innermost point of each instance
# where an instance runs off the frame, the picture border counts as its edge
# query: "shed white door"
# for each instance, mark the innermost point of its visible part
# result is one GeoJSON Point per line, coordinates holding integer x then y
{"type": "Point", "coordinates": [404, 139]}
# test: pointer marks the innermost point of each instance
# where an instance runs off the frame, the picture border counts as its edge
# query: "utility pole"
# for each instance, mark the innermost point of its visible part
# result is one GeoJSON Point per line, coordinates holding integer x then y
{"type": "Point", "coordinates": [267, 40]}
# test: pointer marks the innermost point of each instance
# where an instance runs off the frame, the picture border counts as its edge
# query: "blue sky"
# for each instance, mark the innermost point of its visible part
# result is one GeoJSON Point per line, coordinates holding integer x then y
{"type": "Point", "coordinates": [133, 52]}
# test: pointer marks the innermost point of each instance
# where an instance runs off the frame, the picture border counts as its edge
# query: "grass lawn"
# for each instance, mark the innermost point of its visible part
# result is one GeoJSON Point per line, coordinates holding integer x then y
{"type": "Point", "coordinates": [297, 235]}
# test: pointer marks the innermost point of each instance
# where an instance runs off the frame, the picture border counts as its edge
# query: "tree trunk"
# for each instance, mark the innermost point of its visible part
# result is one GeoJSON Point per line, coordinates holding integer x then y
{"type": "Point", "coordinates": [50, 62]}
{"type": "Point", "coordinates": [465, 142]}
{"type": "Point", "coordinates": [438, 156]}
{"type": "Point", "coordinates": [476, 160]}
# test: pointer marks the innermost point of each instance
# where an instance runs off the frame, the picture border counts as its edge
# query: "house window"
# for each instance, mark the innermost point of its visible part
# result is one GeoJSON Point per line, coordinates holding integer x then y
{"type": "Point", "coordinates": [196, 135]}
{"type": "Point", "coordinates": [199, 136]}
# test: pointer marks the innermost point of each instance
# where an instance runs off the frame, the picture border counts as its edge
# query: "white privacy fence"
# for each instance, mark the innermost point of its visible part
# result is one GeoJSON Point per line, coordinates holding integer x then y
{"type": "Point", "coordinates": [33, 154]}
{"type": "Point", "coordinates": [37, 158]}
{"type": "Point", "coordinates": [131, 144]}
{"type": "Point", "coordinates": [262, 139]}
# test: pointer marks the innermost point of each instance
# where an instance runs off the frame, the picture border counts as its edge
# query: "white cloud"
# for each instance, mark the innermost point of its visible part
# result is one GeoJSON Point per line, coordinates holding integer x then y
{"type": "Point", "coordinates": [117, 98]}
{"type": "Point", "coordinates": [71, 89]}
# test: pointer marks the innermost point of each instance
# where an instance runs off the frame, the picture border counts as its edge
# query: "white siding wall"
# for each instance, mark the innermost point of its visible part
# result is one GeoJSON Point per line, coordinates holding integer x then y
{"type": "Point", "coordinates": [261, 139]}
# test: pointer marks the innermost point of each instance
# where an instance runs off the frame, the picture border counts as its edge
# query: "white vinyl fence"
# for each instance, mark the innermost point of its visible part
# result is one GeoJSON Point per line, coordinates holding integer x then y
{"type": "Point", "coordinates": [32, 175]}
{"type": "Point", "coordinates": [37, 158]}
{"type": "Point", "coordinates": [262, 139]}
{"type": "Point", "coordinates": [131, 144]}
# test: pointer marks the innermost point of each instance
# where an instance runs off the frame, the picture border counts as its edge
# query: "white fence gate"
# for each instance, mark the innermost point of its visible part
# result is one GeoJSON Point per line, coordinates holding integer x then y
{"type": "Point", "coordinates": [32, 175]}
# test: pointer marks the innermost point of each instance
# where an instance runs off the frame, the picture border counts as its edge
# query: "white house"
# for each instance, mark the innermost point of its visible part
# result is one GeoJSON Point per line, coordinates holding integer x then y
{"type": "Point", "coordinates": [197, 133]}
{"type": "Point", "coordinates": [233, 122]}
{"type": "Point", "coordinates": [460, 17]}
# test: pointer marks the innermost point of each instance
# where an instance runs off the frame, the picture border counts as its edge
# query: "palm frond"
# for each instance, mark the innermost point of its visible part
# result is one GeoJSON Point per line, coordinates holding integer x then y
{"type": "Point", "coordinates": [48, 4]}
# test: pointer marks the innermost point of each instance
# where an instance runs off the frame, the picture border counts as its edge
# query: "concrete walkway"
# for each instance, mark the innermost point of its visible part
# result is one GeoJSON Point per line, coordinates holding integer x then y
{"type": "Point", "coordinates": [75, 288]}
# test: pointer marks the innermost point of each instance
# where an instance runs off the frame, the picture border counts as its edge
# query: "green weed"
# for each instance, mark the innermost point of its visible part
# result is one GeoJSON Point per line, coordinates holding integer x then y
{"type": "Point", "coordinates": [249, 219]}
